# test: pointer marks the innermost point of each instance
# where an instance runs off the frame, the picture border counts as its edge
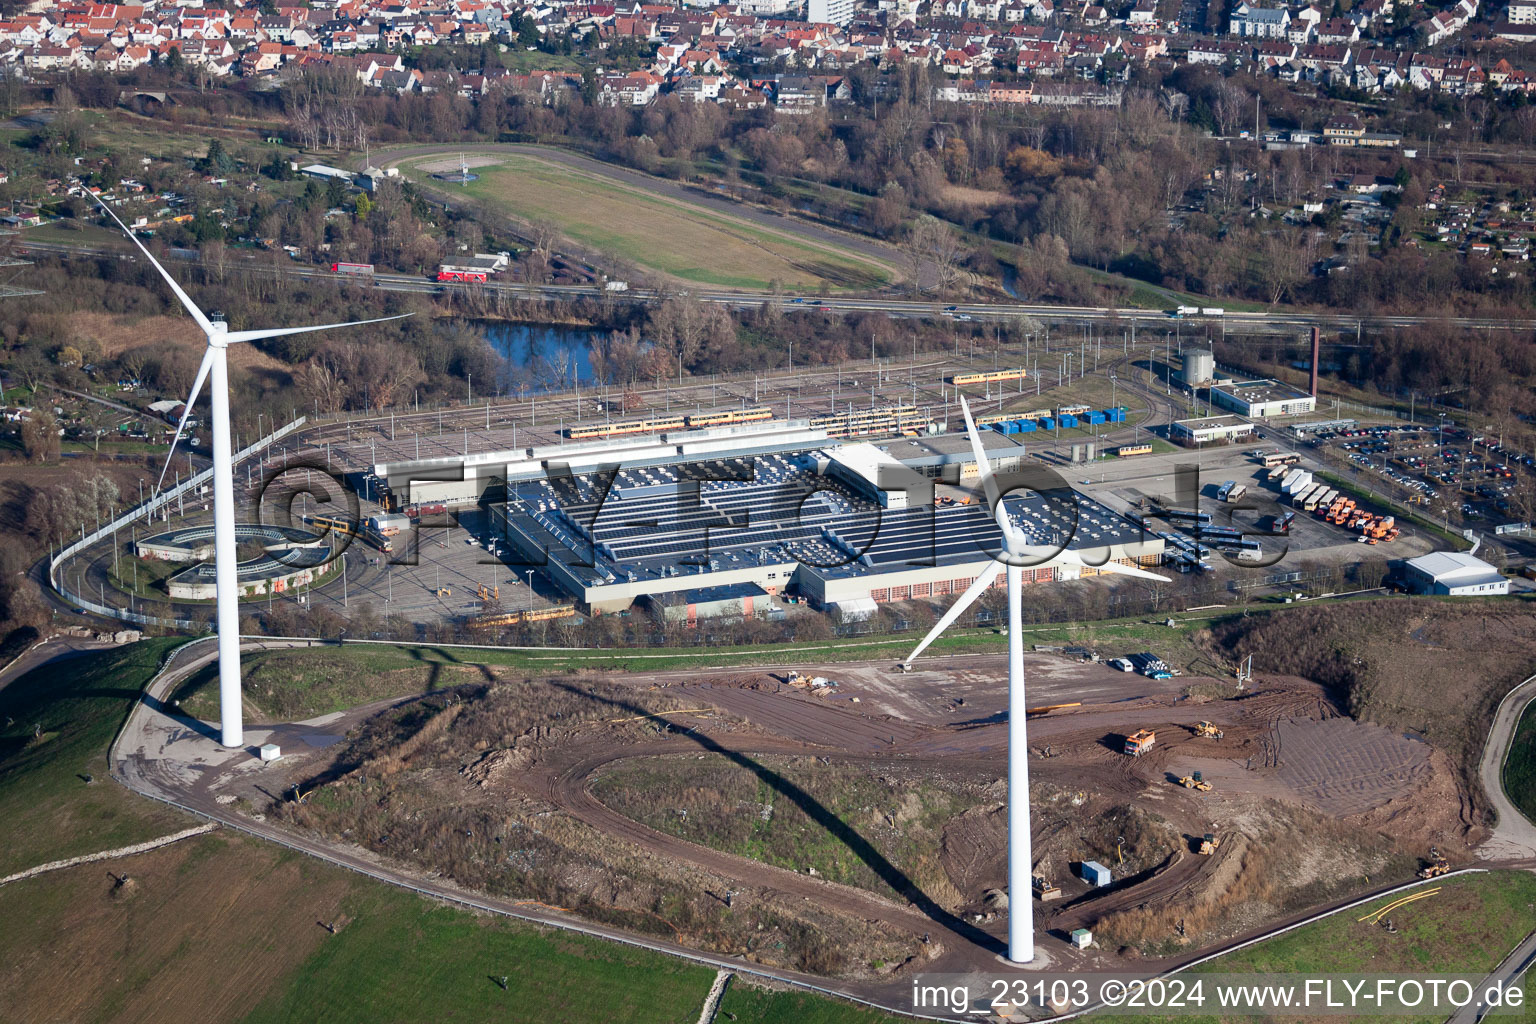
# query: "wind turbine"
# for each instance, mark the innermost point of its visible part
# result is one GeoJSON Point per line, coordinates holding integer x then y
{"type": "Point", "coordinates": [1016, 554]}
{"type": "Point", "coordinates": [215, 368]}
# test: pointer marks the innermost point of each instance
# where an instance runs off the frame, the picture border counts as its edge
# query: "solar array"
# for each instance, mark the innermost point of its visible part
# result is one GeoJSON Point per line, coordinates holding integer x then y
{"type": "Point", "coordinates": [654, 522]}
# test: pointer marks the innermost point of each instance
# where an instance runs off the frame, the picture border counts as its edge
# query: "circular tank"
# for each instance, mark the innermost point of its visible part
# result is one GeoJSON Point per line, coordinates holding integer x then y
{"type": "Point", "coordinates": [1199, 365]}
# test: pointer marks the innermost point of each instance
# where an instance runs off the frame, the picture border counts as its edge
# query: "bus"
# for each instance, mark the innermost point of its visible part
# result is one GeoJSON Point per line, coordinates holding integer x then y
{"type": "Point", "coordinates": [1127, 450]}
{"type": "Point", "coordinates": [716, 419]}
{"type": "Point", "coordinates": [1272, 459]}
{"type": "Point", "coordinates": [961, 380]}
{"type": "Point", "coordinates": [1225, 489]}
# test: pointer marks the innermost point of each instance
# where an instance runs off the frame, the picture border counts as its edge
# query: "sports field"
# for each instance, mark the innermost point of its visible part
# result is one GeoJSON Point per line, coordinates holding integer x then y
{"type": "Point", "coordinates": [660, 233]}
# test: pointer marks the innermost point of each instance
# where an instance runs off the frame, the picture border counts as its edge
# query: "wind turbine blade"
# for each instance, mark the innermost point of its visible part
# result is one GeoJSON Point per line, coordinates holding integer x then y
{"type": "Point", "coordinates": [182, 297]}
{"type": "Point", "coordinates": [979, 451]}
{"type": "Point", "coordinates": [278, 332]}
{"type": "Point", "coordinates": [981, 583]}
{"type": "Point", "coordinates": [197, 386]}
{"type": "Point", "coordinates": [1130, 570]}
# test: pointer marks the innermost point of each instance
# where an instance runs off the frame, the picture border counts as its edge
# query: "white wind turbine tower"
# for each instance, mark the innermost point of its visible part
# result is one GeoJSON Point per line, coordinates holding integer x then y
{"type": "Point", "coordinates": [1016, 554]}
{"type": "Point", "coordinates": [215, 368]}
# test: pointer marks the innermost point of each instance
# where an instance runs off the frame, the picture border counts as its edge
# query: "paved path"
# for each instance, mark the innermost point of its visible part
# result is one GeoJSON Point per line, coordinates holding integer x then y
{"type": "Point", "coordinates": [1514, 836]}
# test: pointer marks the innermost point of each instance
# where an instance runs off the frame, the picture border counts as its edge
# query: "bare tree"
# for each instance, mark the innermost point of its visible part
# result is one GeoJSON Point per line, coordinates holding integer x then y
{"type": "Point", "coordinates": [935, 246]}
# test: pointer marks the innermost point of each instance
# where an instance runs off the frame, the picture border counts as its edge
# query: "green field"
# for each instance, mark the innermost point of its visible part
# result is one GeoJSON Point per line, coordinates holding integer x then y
{"type": "Point", "coordinates": [1467, 928]}
{"type": "Point", "coordinates": [58, 721]}
{"type": "Point", "coordinates": [658, 233]}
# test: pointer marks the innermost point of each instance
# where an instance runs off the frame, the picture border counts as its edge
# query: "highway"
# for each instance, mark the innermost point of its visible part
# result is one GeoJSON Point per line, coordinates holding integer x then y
{"type": "Point", "coordinates": [1237, 322]}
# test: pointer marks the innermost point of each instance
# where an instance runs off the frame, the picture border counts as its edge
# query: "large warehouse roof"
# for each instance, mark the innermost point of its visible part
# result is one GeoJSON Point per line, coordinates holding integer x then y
{"type": "Point", "coordinates": [1455, 568]}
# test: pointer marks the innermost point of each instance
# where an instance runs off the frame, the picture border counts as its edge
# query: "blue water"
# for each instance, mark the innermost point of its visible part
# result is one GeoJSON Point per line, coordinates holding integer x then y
{"type": "Point", "coordinates": [541, 357]}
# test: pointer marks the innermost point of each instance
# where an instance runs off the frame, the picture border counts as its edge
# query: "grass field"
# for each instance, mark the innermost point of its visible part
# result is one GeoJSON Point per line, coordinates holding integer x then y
{"type": "Point", "coordinates": [1520, 766]}
{"type": "Point", "coordinates": [661, 234]}
{"type": "Point", "coordinates": [59, 722]}
{"type": "Point", "coordinates": [1468, 927]}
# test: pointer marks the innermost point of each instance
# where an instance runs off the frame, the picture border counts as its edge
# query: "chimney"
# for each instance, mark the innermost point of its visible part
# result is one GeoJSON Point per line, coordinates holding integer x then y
{"type": "Point", "coordinates": [1315, 347]}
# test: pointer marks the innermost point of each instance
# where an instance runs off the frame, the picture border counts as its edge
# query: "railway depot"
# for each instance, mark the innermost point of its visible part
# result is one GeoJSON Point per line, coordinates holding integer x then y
{"type": "Point", "coordinates": [778, 506]}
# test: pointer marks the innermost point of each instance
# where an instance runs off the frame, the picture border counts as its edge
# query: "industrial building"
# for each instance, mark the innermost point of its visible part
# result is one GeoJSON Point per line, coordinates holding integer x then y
{"type": "Point", "coordinates": [1455, 573]}
{"type": "Point", "coordinates": [842, 531]}
{"type": "Point", "coordinates": [729, 603]}
{"type": "Point", "coordinates": [464, 480]}
{"type": "Point", "coordinates": [1262, 398]}
{"type": "Point", "coordinates": [1211, 428]}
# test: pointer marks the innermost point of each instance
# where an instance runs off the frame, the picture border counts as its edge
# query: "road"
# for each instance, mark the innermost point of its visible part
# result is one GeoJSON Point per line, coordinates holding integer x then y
{"type": "Point", "coordinates": [1514, 836]}
{"type": "Point", "coordinates": [1235, 322]}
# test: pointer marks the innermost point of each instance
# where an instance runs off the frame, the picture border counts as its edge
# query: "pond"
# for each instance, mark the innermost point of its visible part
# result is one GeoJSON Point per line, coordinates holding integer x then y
{"type": "Point", "coordinates": [542, 357]}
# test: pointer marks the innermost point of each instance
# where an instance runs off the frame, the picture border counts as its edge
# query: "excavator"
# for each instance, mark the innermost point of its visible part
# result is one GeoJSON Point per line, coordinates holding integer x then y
{"type": "Point", "coordinates": [1195, 782]}
{"type": "Point", "coordinates": [1206, 730]}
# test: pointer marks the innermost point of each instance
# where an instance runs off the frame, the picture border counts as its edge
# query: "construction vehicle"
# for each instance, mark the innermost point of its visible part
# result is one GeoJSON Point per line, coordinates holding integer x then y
{"type": "Point", "coordinates": [444, 591]}
{"type": "Point", "coordinates": [1435, 866]}
{"type": "Point", "coordinates": [1209, 844]}
{"type": "Point", "coordinates": [491, 593]}
{"type": "Point", "coordinates": [1140, 742]}
{"type": "Point", "coordinates": [1206, 730]}
{"type": "Point", "coordinates": [1195, 782]}
{"type": "Point", "coordinates": [1045, 889]}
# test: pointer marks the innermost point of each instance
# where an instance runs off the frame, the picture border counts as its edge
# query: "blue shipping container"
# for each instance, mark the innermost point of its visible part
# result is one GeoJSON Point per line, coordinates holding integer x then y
{"type": "Point", "coordinates": [1068, 420]}
{"type": "Point", "coordinates": [1096, 418]}
{"type": "Point", "coordinates": [1094, 873]}
{"type": "Point", "coordinates": [1026, 426]}
{"type": "Point", "coordinates": [1046, 423]}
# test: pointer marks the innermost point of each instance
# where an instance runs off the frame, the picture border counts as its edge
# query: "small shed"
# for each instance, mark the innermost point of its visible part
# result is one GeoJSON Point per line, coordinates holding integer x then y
{"type": "Point", "coordinates": [271, 752]}
{"type": "Point", "coordinates": [1094, 873]}
{"type": "Point", "coordinates": [1082, 938]}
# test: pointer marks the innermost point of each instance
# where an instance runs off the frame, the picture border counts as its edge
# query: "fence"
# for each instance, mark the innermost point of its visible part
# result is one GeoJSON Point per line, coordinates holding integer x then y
{"type": "Point", "coordinates": [147, 510]}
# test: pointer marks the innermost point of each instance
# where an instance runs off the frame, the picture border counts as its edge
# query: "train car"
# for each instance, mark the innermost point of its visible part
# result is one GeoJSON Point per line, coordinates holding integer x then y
{"type": "Point", "coordinates": [342, 527]}
{"type": "Point", "coordinates": [1127, 450]}
{"type": "Point", "coordinates": [648, 426]}
{"type": "Point", "coordinates": [961, 380]}
{"type": "Point", "coordinates": [891, 420]}
{"type": "Point", "coordinates": [717, 419]}
{"type": "Point", "coordinates": [1073, 410]}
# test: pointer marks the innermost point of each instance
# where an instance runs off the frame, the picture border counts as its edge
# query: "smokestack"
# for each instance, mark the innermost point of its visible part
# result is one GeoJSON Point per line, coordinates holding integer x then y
{"type": "Point", "coordinates": [1315, 347]}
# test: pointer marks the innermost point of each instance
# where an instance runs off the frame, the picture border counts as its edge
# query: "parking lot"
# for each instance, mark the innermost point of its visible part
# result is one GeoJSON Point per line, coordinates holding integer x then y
{"type": "Point", "coordinates": [1464, 476]}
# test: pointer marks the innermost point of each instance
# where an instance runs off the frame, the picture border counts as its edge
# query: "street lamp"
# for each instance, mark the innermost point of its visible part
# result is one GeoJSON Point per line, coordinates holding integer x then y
{"type": "Point", "coordinates": [529, 574]}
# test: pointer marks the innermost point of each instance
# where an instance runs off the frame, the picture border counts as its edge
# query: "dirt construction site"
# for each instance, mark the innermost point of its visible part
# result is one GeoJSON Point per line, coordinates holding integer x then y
{"type": "Point", "coordinates": [853, 830]}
